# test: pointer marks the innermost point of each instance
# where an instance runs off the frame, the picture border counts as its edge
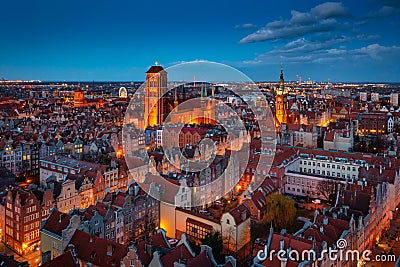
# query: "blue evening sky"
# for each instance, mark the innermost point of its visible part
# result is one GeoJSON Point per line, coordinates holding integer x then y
{"type": "Point", "coordinates": [118, 40]}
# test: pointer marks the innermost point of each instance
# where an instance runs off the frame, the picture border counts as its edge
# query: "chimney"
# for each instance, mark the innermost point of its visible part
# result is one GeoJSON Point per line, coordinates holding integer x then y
{"type": "Point", "coordinates": [321, 229]}
{"type": "Point", "coordinates": [380, 169]}
{"type": "Point", "coordinates": [282, 244]}
{"type": "Point", "coordinates": [110, 249]}
{"type": "Point", "coordinates": [360, 222]}
{"type": "Point", "coordinates": [148, 248]}
{"type": "Point", "coordinates": [243, 215]}
{"type": "Point", "coordinates": [136, 190]}
{"type": "Point", "coordinates": [61, 216]}
{"type": "Point", "coordinates": [130, 190]}
{"type": "Point", "coordinates": [283, 262]}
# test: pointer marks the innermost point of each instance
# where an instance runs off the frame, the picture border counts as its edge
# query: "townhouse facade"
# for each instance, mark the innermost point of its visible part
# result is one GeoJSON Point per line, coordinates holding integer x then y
{"type": "Point", "coordinates": [22, 220]}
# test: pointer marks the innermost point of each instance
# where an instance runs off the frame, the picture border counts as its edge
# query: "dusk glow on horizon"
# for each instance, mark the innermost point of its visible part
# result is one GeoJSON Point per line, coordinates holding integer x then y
{"type": "Point", "coordinates": [109, 41]}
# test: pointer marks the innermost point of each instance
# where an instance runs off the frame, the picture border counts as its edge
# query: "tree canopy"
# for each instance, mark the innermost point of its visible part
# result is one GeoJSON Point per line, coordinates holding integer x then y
{"type": "Point", "coordinates": [280, 210]}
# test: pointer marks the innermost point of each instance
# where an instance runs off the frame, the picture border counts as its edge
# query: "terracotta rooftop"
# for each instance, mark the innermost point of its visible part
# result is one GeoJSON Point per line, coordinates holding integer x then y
{"type": "Point", "coordinates": [64, 260]}
{"type": "Point", "coordinates": [179, 253]}
{"type": "Point", "coordinates": [156, 241]}
{"type": "Point", "coordinates": [97, 250]}
{"type": "Point", "coordinates": [56, 222]}
{"type": "Point", "coordinates": [237, 213]}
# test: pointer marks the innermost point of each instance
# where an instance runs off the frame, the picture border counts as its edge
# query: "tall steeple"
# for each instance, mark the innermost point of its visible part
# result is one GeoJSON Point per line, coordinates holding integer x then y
{"type": "Point", "coordinates": [155, 102]}
{"type": "Point", "coordinates": [281, 89]}
{"type": "Point", "coordinates": [281, 81]}
{"type": "Point", "coordinates": [176, 98]}
{"type": "Point", "coordinates": [203, 90]}
{"type": "Point", "coordinates": [281, 101]}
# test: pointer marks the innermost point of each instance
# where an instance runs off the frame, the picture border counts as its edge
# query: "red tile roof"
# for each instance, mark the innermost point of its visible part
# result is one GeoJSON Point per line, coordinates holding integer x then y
{"type": "Point", "coordinates": [94, 249]}
{"type": "Point", "coordinates": [100, 207]}
{"type": "Point", "coordinates": [338, 223]}
{"type": "Point", "coordinates": [329, 136]}
{"type": "Point", "coordinates": [203, 260]}
{"type": "Point", "coordinates": [64, 260]}
{"type": "Point", "coordinates": [180, 252]}
{"type": "Point", "coordinates": [240, 213]}
{"type": "Point", "coordinates": [156, 241]}
{"type": "Point", "coordinates": [276, 262]}
{"type": "Point", "coordinates": [56, 222]}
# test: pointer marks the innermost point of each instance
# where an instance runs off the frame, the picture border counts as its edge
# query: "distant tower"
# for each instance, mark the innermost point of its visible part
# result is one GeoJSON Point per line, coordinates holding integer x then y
{"type": "Point", "coordinates": [155, 102]}
{"type": "Point", "coordinates": [176, 102]}
{"type": "Point", "coordinates": [123, 93]}
{"type": "Point", "coordinates": [79, 97]}
{"type": "Point", "coordinates": [281, 101]}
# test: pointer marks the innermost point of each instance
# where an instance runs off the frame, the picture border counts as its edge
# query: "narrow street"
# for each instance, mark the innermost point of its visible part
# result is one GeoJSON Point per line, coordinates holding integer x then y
{"type": "Point", "coordinates": [32, 258]}
{"type": "Point", "coordinates": [387, 246]}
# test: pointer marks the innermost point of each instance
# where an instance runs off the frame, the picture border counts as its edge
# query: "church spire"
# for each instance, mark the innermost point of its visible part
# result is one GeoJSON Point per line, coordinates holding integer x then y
{"type": "Point", "coordinates": [176, 97]}
{"type": "Point", "coordinates": [281, 80]}
{"type": "Point", "coordinates": [203, 90]}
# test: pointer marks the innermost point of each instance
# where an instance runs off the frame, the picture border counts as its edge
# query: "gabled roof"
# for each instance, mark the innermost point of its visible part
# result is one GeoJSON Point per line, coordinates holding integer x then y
{"type": "Point", "coordinates": [56, 222]}
{"type": "Point", "coordinates": [203, 260]}
{"type": "Point", "coordinates": [240, 213]}
{"type": "Point", "coordinates": [180, 252]}
{"type": "Point", "coordinates": [156, 241]}
{"type": "Point", "coordinates": [95, 249]}
{"type": "Point", "coordinates": [64, 260]}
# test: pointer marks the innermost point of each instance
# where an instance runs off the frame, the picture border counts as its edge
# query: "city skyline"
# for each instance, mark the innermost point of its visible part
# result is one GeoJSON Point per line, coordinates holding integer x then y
{"type": "Point", "coordinates": [324, 41]}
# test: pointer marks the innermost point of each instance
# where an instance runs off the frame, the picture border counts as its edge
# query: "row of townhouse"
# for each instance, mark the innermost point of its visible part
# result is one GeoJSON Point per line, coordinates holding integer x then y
{"type": "Point", "coordinates": [354, 223]}
{"type": "Point", "coordinates": [20, 158]}
{"type": "Point", "coordinates": [78, 248]}
{"type": "Point", "coordinates": [123, 218]}
{"type": "Point", "coordinates": [20, 217]}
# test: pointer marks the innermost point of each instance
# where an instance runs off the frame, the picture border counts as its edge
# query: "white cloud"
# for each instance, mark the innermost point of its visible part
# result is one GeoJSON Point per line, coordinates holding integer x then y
{"type": "Point", "coordinates": [329, 10]}
{"type": "Point", "coordinates": [304, 51]}
{"type": "Point", "coordinates": [245, 26]}
{"type": "Point", "coordinates": [363, 37]}
{"type": "Point", "coordinates": [321, 18]}
{"type": "Point", "coordinates": [376, 51]}
{"type": "Point", "coordinates": [384, 11]}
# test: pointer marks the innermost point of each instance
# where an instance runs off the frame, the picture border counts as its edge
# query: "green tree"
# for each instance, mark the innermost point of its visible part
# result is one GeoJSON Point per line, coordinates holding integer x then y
{"type": "Point", "coordinates": [280, 210]}
{"type": "Point", "coordinates": [214, 241]}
